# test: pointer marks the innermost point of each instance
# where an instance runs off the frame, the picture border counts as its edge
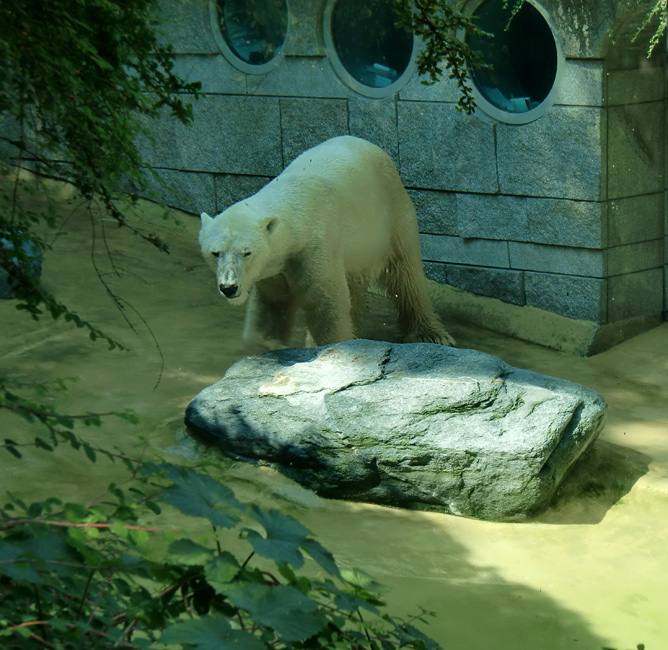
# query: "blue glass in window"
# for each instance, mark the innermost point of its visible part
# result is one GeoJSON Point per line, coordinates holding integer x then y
{"type": "Point", "coordinates": [370, 46]}
{"type": "Point", "coordinates": [522, 54]}
{"type": "Point", "coordinates": [254, 30]}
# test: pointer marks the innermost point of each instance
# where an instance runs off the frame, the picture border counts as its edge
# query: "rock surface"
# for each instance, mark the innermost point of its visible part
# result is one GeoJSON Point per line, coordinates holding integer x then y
{"type": "Point", "coordinates": [411, 425]}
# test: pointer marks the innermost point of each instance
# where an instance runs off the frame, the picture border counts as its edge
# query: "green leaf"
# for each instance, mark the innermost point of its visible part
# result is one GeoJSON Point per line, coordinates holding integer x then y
{"type": "Point", "coordinates": [11, 565]}
{"type": "Point", "coordinates": [90, 452]}
{"type": "Point", "coordinates": [286, 610]}
{"type": "Point", "coordinates": [76, 513]}
{"type": "Point", "coordinates": [140, 537]}
{"type": "Point", "coordinates": [285, 536]}
{"type": "Point", "coordinates": [41, 444]}
{"type": "Point", "coordinates": [198, 495]}
{"type": "Point", "coordinates": [185, 551]}
{"type": "Point", "coordinates": [409, 635]}
{"type": "Point", "coordinates": [287, 573]}
{"type": "Point", "coordinates": [153, 507]}
{"type": "Point", "coordinates": [12, 449]}
{"type": "Point", "coordinates": [221, 570]}
{"type": "Point", "coordinates": [361, 580]}
{"type": "Point", "coordinates": [346, 601]}
{"type": "Point", "coordinates": [210, 633]}
{"type": "Point", "coordinates": [118, 528]}
{"type": "Point", "coordinates": [322, 556]}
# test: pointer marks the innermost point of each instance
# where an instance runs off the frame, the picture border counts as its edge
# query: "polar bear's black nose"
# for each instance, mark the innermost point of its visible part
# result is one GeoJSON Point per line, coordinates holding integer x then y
{"type": "Point", "coordinates": [228, 290]}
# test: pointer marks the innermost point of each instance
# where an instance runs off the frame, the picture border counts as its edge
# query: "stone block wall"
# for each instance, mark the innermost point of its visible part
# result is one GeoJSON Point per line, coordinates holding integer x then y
{"type": "Point", "coordinates": [565, 214]}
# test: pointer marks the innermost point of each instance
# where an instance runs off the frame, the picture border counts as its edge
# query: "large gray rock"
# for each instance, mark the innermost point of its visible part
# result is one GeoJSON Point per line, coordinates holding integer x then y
{"type": "Point", "coordinates": [412, 425]}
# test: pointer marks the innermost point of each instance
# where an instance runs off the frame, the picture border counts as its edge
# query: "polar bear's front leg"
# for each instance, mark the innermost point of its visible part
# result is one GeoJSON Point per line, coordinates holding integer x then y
{"type": "Point", "coordinates": [270, 314]}
{"type": "Point", "coordinates": [327, 310]}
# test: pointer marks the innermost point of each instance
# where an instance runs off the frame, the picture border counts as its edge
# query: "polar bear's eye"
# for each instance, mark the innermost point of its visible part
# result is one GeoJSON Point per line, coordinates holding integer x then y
{"type": "Point", "coordinates": [215, 254]}
{"type": "Point", "coordinates": [247, 253]}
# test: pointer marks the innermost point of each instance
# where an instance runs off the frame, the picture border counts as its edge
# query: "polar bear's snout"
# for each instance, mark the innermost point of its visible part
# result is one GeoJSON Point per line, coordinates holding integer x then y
{"type": "Point", "coordinates": [228, 274]}
{"type": "Point", "coordinates": [228, 290]}
{"type": "Point", "coordinates": [228, 282]}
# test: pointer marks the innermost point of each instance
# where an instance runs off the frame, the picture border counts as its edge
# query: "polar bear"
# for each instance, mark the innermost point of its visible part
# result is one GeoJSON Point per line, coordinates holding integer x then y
{"type": "Point", "coordinates": [336, 219]}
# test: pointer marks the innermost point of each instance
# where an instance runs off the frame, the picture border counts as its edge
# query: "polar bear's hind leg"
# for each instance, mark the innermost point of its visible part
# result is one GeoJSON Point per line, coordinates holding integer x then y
{"type": "Point", "coordinates": [407, 286]}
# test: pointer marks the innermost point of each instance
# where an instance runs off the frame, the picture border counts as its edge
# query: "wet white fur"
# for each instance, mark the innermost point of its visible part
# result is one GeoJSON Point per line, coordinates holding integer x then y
{"type": "Point", "coordinates": [336, 219]}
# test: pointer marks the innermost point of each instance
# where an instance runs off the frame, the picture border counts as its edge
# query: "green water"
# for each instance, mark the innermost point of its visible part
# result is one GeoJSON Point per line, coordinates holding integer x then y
{"type": "Point", "coordinates": [587, 574]}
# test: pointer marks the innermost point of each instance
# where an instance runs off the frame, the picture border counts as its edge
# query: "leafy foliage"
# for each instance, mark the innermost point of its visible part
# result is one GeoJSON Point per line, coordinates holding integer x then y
{"type": "Point", "coordinates": [79, 79]}
{"type": "Point", "coordinates": [92, 576]}
{"type": "Point", "coordinates": [444, 31]}
{"type": "Point", "coordinates": [658, 15]}
{"type": "Point", "coordinates": [60, 428]}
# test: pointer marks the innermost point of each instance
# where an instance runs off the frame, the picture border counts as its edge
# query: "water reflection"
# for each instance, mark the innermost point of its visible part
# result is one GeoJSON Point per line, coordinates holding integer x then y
{"type": "Point", "coordinates": [588, 574]}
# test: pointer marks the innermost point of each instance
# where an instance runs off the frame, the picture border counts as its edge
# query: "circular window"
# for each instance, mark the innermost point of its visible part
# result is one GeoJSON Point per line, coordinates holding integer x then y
{"type": "Point", "coordinates": [250, 33]}
{"type": "Point", "coordinates": [524, 59]}
{"type": "Point", "coordinates": [368, 51]}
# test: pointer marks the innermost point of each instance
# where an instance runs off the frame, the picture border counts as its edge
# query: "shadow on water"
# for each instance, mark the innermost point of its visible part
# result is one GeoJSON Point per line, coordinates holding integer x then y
{"type": "Point", "coordinates": [599, 480]}
{"type": "Point", "coordinates": [489, 584]}
{"type": "Point", "coordinates": [420, 563]}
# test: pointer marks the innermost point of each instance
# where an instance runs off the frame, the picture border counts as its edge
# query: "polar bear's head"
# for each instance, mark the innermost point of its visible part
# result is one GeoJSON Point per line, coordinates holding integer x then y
{"type": "Point", "coordinates": [236, 245]}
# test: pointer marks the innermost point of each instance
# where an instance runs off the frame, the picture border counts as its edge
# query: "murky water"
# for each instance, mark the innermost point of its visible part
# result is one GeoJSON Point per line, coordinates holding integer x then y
{"type": "Point", "coordinates": [589, 573]}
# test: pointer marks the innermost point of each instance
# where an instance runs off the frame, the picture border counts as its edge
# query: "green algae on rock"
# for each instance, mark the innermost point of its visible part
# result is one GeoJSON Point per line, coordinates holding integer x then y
{"type": "Point", "coordinates": [414, 425]}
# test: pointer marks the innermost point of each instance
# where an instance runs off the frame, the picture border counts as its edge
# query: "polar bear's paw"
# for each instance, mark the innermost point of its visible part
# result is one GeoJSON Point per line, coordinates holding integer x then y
{"type": "Point", "coordinates": [431, 335]}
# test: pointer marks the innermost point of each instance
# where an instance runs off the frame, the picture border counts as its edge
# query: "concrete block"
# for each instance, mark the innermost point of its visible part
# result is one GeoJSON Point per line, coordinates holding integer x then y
{"type": "Point", "coordinates": [581, 83]}
{"type": "Point", "coordinates": [435, 271]}
{"type": "Point", "coordinates": [158, 147]}
{"type": "Point", "coordinates": [636, 149]}
{"type": "Point", "coordinates": [645, 84]}
{"type": "Point", "coordinates": [231, 188]}
{"type": "Point", "coordinates": [583, 28]}
{"type": "Point", "coordinates": [636, 218]}
{"type": "Point", "coordinates": [443, 149]}
{"type": "Point", "coordinates": [574, 297]}
{"type": "Point", "coordinates": [566, 223]}
{"type": "Point", "coordinates": [635, 294]}
{"type": "Point", "coordinates": [213, 70]}
{"type": "Point", "coordinates": [299, 77]}
{"type": "Point", "coordinates": [495, 283]}
{"type": "Point", "coordinates": [492, 217]}
{"type": "Point", "coordinates": [375, 120]}
{"type": "Point", "coordinates": [186, 26]}
{"type": "Point", "coordinates": [308, 122]}
{"type": "Point", "coordinates": [304, 37]}
{"type": "Point", "coordinates": [557, 259]}
{"type": "Point", "coordinates": [189, 191]}
{"type": "Point", "coordinates": [630, 258]}
{"type": "Point", "coordinates": [557, 156]}
{"type": "Point", "coordinates": [436, 211]}
{"type": "Point", "coordinates": [444, 90]}
{"type": "Point", "coordinates": [233, 135]}
{"type": "Point", "coordinates": [475, 252]}
{"type": "Point", "coordinates": [568, 19]}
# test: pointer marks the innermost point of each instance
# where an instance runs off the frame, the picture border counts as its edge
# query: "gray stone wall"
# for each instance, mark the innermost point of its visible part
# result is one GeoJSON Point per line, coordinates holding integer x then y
{"type": "Point", "coordinates": [566, 214]}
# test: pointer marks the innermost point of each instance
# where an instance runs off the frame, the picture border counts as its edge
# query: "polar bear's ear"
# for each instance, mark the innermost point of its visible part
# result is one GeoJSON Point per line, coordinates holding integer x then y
{"type": "Point", "coordinates": [270, 223]}
{"type": "Point", "coordinates": [205, 218]}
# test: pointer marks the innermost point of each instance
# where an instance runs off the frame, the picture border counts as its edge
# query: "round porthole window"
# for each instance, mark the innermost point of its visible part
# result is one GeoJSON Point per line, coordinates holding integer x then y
{"type": "Point", "coordinates": [250, 33]}
{"type": "Point", "coordinates": [524, 57]}
{"type": "Point", "coordinates": [368, 51]}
